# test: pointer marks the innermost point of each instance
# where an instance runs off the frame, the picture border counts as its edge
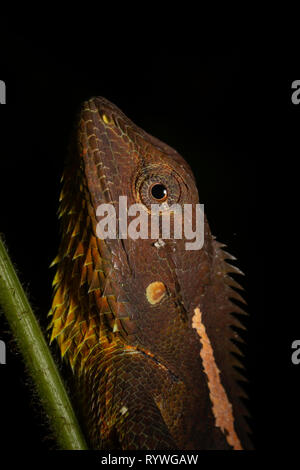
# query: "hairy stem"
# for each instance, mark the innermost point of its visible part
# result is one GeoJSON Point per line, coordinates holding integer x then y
{"type": "Point", "coordinates": [37, 357]}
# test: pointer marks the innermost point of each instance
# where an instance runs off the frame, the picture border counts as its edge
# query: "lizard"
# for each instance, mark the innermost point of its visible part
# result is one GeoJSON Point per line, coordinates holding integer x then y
{"type": "Point", "coordinates": [147, 327]}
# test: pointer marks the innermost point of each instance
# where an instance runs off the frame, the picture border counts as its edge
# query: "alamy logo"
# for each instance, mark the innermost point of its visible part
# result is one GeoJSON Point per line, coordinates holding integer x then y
{"type": "Point", "coordinates": [2, 92]}
{"type": "Point", "coordinates": [296, 354]}
{"type": "Point", "coordinates": [2, 352]}
{"type": "Point", "coordinates": [166, 222]}
{"type": "Point", "coordinates": [296, 94]}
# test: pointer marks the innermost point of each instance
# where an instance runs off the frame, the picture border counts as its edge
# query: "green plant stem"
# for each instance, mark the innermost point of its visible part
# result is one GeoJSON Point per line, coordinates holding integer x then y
{"type": "Point", "coordinates": [37, 357]}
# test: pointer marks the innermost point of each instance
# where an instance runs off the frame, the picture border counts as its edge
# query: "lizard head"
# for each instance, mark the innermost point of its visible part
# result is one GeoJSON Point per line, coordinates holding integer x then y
{"type": "Point", "coordinates": [140, 295]}
{"type": "Point", "coordinates": [157, 281]}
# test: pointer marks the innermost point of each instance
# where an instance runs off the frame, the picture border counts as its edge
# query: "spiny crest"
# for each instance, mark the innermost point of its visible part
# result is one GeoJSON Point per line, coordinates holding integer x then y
{"type": "Point", "coordinates": [84, 308]}
{"type": "Point", "coordinates": [226, 292]}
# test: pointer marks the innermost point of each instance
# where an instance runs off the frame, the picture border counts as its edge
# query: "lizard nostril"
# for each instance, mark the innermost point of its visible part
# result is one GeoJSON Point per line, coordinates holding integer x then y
{"type": "Point", "coordinates": [106, 119]}
{"type": "Point", "coordinates": [155, 292]}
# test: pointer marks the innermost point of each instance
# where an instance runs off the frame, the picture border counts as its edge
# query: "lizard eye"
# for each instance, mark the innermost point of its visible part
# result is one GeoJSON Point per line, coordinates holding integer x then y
{"type": "Point", "coordinates": [158, 188]}
{"type": "Point", "coordinates": [159, 192]}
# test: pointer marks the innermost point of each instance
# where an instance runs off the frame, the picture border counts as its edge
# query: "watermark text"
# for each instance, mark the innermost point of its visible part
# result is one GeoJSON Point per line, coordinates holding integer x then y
{"type": "Point", "coordinates": [2, 352]}
{"type": "Point", "coordinates": [2, 92]}
{"type": "Point", "coordinates": [161, 222]}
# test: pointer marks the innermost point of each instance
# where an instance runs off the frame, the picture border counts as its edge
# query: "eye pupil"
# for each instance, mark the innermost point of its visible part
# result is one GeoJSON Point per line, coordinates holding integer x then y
{"type": "Point", "coordinates": [159, 191]}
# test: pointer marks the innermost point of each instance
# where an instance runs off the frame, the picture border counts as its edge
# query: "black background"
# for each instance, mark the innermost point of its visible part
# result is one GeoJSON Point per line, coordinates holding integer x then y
{"type": "Point", "coordinates": [204, 101]}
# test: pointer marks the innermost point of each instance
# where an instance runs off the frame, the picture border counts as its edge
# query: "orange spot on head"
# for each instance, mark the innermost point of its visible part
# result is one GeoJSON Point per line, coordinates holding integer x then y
{"type": "Point", "coordinates": [155, 292]}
